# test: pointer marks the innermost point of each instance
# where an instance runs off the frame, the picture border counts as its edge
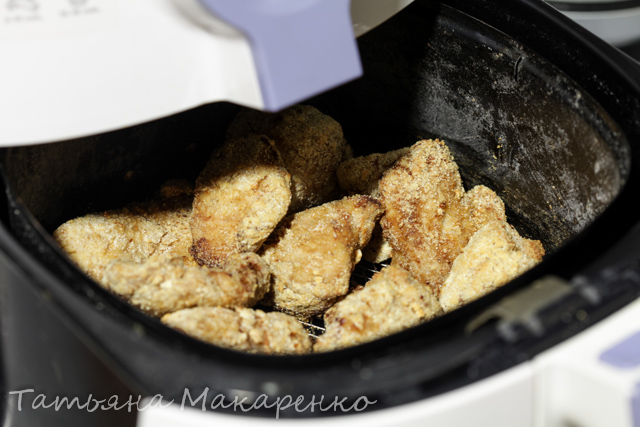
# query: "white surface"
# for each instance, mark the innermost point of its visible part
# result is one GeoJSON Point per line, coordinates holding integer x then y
{"type": "Point", "coordinates": [504, 400]}
{"type": "Point", "coordinates": [618, 27]}
{"type": "Point", "coordinates": [62, 79]}
{"type": "Point", "coordinates": [77, 68]}
{"type": "Point", "coordinates": [574, 388]}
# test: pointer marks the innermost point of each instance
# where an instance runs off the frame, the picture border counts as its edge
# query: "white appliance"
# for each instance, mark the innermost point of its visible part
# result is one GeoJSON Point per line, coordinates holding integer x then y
{"type": "Point", "coordinates": [83, 67]}
{"type": "Point", "coordinates": [616, 22]}
{"type": "Point", "coordinates": [72, 68]}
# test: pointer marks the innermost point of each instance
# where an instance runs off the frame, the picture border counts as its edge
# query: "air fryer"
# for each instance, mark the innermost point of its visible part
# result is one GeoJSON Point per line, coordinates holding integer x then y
{"type": "Point", "coordinates": [529, 104]}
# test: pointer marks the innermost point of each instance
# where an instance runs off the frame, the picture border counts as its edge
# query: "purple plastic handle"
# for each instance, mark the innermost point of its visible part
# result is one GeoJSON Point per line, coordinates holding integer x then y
{"type": "Point", "coordinates": [635, 406]}
{"type": "Point", "coordinates": [625, 354]}
{"type": "Point", "coordinates": [300, 47]}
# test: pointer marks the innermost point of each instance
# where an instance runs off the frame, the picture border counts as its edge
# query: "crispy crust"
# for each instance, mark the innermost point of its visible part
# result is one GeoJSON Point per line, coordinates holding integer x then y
{"type": "Point", "coordinates": [241, 195]}
{"type": "Point", "coordinates": [157, 229]}
{"type": "Point", "coordinates": [160, 287]}
{"type": "Point", "coordinates": [449, 246]}
{"type": "Point", "coordinates": [242, 329]}
{"type": "Point", "coordinates": [311, 144]}
{"type": "Point", "coordinates": [361, 175]}
{"type": "Point", "coordinates": [390, 302]}
{"type": "Point", "coordinates": [494, 255]}
{"type": "Point", "coordinates": [313, 253]}
{"type": "Point", "coordinates": [429, 218]}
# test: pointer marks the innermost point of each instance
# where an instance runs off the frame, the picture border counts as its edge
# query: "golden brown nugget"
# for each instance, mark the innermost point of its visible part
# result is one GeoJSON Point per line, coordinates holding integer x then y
{"type": "Point", "coordinates": [361, 175]}
{"type": "Point", "coordinates": [158, 228]}
{"type": "Point", "coordinates": [160, 287]}
{"type": "Point", "coordinates": [494, 255]}
{"type": "Point", "coordinates": [428, 217]}
{"type": "Point", "coordinates": [479, 206]}
{"type": "Point", "coordinates": [313, 253]}
{"type": "Point", "coordinates": [312, 146]}
{"type": "Point", "coordinates": [390, 302]}
{"type": "Point", "coordinates": [242, 329]}
{"type": "Point", "coordinates": [240, 197]}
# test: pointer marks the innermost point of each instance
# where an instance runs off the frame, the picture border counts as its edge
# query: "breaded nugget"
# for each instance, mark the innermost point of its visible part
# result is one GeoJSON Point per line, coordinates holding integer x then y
{"type": "Point", "coordinates": [494, 255]}
{"type": "Point", "coordinates": [160, 287]}
{"type": "Point", "coordinates": [417, 192]}
{"type": "Point", "coordinates": [240, 197]}
{"type": "Point", "coordinates": [242, 329]}
{"type": "Point", "coordinates": [361, 175]}
{"type": "Point", "coordinates": [158, 228]}
{"type": "Point", "coordinates": [390, 302]}
{"type": "Point", "coordinates": [313, 253]}
{"type": "Point", "coordinates": [480, 205]}
{"type": "Point", "coordinates": [428, 217]}
{"type": "Point", "coordinates": [311, 144]}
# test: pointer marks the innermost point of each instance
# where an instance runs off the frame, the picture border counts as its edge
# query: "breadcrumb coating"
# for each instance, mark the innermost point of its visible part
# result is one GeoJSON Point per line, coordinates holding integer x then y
{"type": "Point", "coordinates": [428, 218]}
{"type": "Point", "coordinates": [313, 253]}
{"type": "Point", "coordinates": [361, 175]}
{"type": "Point", "coordinates": [242, 329]}
{"type": "Point", "coordinates": [494, 255]}
{"type": "Point", "coordinates": [160, 287]}
{"type": "Point", "coordinates": [390, 302]}
{"type": "Point", "coordinates": [240, 197]}
{"type": "Point", "coordinates": [312, 146]}
{"type": "Point", "coordinates": [157, 229]}
{"type": "Point", "coordinates": [261, 227]}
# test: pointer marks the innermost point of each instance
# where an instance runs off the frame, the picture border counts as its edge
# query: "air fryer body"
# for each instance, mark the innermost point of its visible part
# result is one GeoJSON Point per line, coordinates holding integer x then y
{"type": "Point", "coordinates": [529, 104]}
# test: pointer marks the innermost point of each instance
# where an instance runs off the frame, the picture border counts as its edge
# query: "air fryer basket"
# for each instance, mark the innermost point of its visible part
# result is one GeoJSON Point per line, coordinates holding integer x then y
{"type": "Point", "coordinates": [515, 120]}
